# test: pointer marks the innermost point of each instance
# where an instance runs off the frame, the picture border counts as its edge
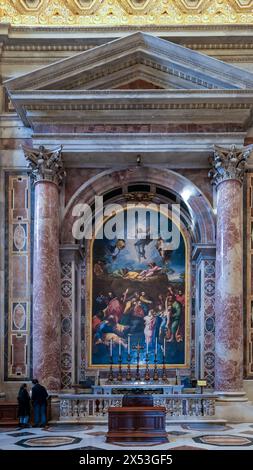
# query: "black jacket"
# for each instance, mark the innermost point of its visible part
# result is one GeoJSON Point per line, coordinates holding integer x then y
{"type": "Point", "coordinates": [39, 395]}
{"type": "Point", "coordinates": [23, 402]}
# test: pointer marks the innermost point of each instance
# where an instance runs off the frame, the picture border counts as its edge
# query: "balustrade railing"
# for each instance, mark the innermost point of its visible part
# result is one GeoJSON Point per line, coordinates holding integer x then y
{"type": "Point", "coordinates": [94, 407]}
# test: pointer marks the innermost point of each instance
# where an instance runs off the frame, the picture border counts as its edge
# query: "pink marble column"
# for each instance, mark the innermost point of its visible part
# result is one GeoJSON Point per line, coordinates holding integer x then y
{"type": "Point", "coordinates": [229, 288]}
{"type": "Point", "coordinates": [48, 172]}
{"type": "Point", "coordinates": [227, 174]}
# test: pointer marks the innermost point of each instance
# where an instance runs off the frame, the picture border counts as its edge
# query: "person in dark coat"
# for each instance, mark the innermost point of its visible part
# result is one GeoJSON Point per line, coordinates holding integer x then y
{"type": "Point", "coordinates": [39, 401]}
{"type": "Point", "coordinates": [23, 406]}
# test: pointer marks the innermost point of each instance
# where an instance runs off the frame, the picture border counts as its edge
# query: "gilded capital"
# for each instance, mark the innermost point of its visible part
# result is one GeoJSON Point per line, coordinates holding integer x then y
{"type": "Point", "coordinates": [45, 165]}
{"type": "Point", "coordinates": [229, 163]}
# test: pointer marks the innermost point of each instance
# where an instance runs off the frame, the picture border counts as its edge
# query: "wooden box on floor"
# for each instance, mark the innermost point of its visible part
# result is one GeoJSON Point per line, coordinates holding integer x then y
{"type": "Point", "coordinates": [137, 424]}
{"type": "Point", "coordinates": [8, 413]}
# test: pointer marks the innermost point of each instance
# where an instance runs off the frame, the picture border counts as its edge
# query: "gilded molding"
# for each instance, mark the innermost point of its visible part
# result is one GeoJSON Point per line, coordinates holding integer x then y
{"type": "Point", "coordinates": [194, 6]}
{"type": "Point", "coordinates": [242, 5]}
{"type": "Point", "coordinates": [28, 6]}
{"type": "Point", "coordinates": [136, 7]}
{"type": "Point", "coordinates": [83, 7]}
{"type": "Point", "coordinates": [120, 13]}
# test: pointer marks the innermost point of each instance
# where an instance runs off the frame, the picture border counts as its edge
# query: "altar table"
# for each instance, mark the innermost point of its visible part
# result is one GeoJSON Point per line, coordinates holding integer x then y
{"type": "Point", "coordinates": [137, 424]}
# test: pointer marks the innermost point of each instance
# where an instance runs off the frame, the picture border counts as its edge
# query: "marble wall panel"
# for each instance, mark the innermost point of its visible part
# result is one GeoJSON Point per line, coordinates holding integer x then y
{"type": "Point", "coordinates": [66, 324]}
{"type": "Point", "coordinates": [73, 350]}
{"type": "Point", "coordinates": [17, 276]}
{"type": "Point", "coordinates": [147, 128]}
{"type": "Point", "coordinates": [201, 180]}
{"type": "Point", "coordinates": [20, 270]}
{"type": "Point", "coordinates": [18, 354]}
{"type": "Point", "coordinates": [248, 324]}
{"type": "Point", "coordinates": [193, 321]}
{"type": "Point", "coordinates": [82, 323]}
{"type": "Point", "coordinates": [205, 321]}
{"type": "Point", "coordinates": [75, 178]}
{"type": "Point", "coordinates": [209, 322]}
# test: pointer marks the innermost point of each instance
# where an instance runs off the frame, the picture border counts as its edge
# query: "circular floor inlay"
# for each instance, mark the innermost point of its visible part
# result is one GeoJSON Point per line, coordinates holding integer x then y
{"type": "Point", "coordinates": [218, 440]}
{"type": "Point", "coordinates": [69, 428]}
{"type": "Point", "coordinates": [137, 444]}
{"type": "Point", "coordinates": [206, 427]}
{"type": "Point", "coordinates": [49, 441]}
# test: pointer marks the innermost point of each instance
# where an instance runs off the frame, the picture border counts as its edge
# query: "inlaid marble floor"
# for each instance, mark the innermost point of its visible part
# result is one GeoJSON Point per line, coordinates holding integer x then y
{"type": "Point", "coordinates": [87, 437]}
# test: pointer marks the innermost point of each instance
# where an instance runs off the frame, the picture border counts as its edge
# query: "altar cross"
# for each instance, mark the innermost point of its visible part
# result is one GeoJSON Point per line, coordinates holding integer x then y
{"type": "Point", "coordinates": [138, 348]}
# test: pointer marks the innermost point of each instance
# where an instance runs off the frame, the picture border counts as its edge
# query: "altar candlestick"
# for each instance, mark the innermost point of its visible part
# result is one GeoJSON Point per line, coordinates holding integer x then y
{"type": "Point", "coordinates": [111, 347]}
{"type": "Point", "coordinates": [98, 378]}
{"type": "Point", "coordinates": [164, 347]}
{"type": "Point", "coordinates": [128, 344]}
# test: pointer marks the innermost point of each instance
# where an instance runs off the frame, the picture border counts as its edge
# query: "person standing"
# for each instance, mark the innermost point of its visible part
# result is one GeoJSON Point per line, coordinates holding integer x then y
{"type": "Point", "coordinates": [23, 406]}
{"type": "Point", "coordinates": [39, 401]}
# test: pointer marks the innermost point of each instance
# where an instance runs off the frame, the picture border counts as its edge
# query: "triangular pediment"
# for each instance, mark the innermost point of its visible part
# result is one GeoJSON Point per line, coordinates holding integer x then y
{"type": "Point", "coordinates": [138, 84]}
{"type": "Point", "coordinates": [136, 58]}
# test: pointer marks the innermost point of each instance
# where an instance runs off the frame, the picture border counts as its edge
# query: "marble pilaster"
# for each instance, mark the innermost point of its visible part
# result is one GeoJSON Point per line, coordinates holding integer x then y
{"type": "Point", "coordinates": [71, 257]}
{"type": "Point", "coordinates": [204, 257]}
{"type": "Point", "coordinates": [227, 174]}
{"type": "Point", "coordinates": [47, 171]}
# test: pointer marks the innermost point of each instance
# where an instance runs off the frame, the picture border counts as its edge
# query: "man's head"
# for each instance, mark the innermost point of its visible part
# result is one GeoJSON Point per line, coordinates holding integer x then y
{"type": "Point", "coordinates": [35, 381]}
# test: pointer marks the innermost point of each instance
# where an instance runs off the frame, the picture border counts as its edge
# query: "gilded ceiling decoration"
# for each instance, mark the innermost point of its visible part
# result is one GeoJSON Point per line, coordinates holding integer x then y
{"type": "Point", "coordinates": [116, 13]}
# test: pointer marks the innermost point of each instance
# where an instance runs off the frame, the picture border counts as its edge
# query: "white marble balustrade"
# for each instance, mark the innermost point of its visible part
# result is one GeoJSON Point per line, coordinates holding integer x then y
{"type": "Point", "coordinates": [94, 407]}
{"type": "Point", "coordinates": [86, 407]}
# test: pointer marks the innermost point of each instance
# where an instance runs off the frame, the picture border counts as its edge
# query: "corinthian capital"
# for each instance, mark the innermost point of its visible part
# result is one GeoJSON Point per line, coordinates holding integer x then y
{"type": "Point", "coordinates": [46, 165]}
{"type": "Point", "coordinates": [229, 164]}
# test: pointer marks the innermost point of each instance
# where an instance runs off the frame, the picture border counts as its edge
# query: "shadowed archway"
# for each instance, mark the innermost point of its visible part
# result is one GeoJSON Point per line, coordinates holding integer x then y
{"type": "Point", "coordinates": [199, 209]}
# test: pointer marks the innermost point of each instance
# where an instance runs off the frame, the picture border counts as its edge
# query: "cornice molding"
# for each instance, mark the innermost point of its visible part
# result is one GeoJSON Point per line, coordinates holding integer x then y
{"type": "Point", "coordinates": [77, 39]}
{"type": "Point", "coordinates": [117, 94]}
{"type": "Point", "coordinates": [180, 31]}
{"type": "Point", "coordinates": [43, 46]}
{"type": "Point", "coordinates": [166, 28]}
{"type": "Point", "coordinates": [174, 150]}
{"type": "Point", "coordinates": [124, 106]}
{"type": "Point", "coordinates": [139, 67]}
